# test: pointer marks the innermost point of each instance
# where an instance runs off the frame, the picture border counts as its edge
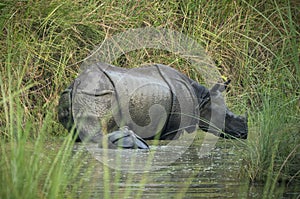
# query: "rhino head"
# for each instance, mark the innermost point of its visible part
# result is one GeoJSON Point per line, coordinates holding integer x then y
{"type": "Point", "coordinates": [216, 118]}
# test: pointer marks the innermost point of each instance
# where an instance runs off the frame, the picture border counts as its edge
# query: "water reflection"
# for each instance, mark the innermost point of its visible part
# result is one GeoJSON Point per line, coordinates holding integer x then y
{"type": "Point", "coordinates": [215, 175]}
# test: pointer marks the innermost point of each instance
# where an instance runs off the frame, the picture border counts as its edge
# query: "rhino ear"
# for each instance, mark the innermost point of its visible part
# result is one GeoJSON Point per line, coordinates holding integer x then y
{"type": "Point", "coordinates": [215, 88]}
{"type": "Point", "coordinates": [220, 86]}
{"type": "Point", "coordinates": [226, 84]}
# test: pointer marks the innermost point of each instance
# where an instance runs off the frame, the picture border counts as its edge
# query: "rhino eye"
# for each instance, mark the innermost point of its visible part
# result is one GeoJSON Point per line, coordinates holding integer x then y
{"type": "Point", "coordinates": [204, 102]}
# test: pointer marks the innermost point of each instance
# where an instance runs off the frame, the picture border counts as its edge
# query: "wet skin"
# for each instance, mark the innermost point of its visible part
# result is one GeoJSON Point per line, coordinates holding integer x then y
{"type": "Point", "coordinates": [98, 88]}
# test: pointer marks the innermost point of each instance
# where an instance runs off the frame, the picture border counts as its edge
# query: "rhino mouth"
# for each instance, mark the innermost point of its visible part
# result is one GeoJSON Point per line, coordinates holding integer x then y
{"type": "Point", "coordinates": [235, 126]}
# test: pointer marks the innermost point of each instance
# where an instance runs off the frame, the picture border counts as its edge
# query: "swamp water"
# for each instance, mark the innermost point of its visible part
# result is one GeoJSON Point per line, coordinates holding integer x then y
{"type": "Point", "coordinates": [215, 175]}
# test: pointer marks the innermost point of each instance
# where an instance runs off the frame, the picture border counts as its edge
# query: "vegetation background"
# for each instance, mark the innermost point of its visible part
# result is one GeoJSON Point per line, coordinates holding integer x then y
{"type": "Point", "coordinates": [43, 42]}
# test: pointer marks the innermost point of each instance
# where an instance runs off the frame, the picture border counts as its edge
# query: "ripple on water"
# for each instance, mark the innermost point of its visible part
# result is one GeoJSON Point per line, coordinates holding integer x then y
{"type": "Point", "coordinates": [215, 175]}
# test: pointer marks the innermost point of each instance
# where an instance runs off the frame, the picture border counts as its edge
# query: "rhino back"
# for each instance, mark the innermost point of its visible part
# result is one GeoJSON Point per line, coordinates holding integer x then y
{"type": "Point", "coordinates": [184, 112]}
{"type": "Point", "coordinates": [144, 99]}
{"type": "Point", "coordinates": [154, 101]}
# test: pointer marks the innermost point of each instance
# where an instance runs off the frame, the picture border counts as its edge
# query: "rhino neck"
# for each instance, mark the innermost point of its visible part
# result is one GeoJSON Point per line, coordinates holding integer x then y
{"type": "Point", "coordinates": [201, 93]}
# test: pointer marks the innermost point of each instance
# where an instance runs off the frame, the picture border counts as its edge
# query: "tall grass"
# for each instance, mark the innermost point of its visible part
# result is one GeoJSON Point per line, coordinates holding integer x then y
{"type": "Point", "coordinates": [254, 43]}
{"type": "Point", "coordinates": [272, 153]}
{"type": "Point", "coordinates": [32, 166]}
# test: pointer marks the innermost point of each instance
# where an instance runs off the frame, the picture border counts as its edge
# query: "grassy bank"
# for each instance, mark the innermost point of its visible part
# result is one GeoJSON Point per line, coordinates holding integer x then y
{"type": "Point", "coordinates": [254, 43]}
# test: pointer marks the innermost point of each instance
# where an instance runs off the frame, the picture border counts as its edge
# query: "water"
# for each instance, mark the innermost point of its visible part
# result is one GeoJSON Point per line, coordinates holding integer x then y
{"type": "Point", "coordinates": [125, 174]}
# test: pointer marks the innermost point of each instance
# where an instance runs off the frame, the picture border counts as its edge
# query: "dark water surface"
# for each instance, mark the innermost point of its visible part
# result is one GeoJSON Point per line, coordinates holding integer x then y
{"type": "Point", "coordinates": [127, 174]}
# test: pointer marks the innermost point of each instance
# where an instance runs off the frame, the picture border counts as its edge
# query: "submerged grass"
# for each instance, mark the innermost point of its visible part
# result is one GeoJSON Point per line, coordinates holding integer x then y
{"type": "Point", "coordinates": [254, 43]}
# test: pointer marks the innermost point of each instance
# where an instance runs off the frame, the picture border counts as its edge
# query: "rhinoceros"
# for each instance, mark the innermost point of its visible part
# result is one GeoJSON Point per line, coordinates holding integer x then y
{"type": "Point", "coordinates": [130, 106]}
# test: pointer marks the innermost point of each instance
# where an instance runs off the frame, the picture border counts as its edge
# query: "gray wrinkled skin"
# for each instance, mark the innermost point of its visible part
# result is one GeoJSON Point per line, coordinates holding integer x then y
{"type": "Point", "coordinates": [154, 102]}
